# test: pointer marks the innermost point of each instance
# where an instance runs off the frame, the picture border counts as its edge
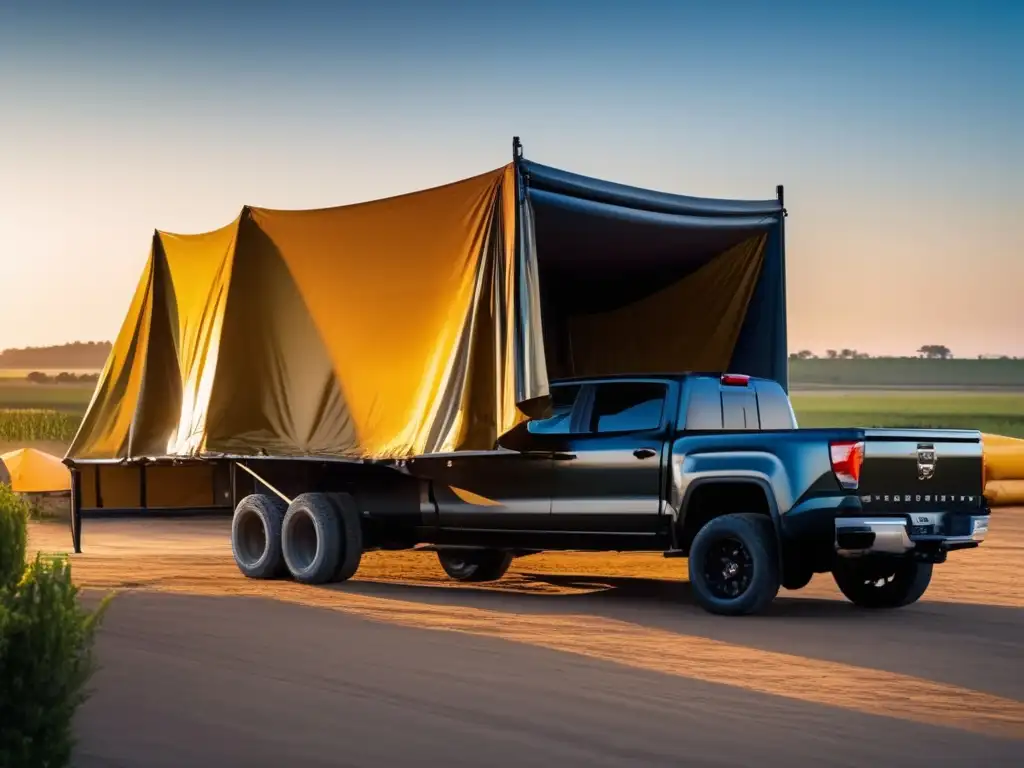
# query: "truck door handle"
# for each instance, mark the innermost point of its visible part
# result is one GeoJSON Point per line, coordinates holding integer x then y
{"type": "Point", "coordinates": [644, 453]}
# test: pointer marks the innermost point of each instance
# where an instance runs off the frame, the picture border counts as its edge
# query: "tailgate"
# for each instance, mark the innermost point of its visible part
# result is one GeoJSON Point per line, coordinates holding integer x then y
{"type": "Point", "coordinates": [922, 470]}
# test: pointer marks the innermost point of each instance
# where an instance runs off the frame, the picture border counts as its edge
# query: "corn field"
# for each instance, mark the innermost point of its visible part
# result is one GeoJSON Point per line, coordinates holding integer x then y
{"type": "Point", "coordinates": [25, 425]}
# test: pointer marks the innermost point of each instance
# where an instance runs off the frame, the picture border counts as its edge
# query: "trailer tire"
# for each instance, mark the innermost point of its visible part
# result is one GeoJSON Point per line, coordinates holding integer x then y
{"type": "Point", "coordinates": [734, 565]}
{"type": "Point", "coordinates": [475, 565]}
{"type": "Point", "coordinates": [256, 536]}
{"type": "Point", "coordinates": [317, 539]}
{"type": "Point", "coordinates": [352, 535]}
{"type": "Point", "coordinates": [881, 584]}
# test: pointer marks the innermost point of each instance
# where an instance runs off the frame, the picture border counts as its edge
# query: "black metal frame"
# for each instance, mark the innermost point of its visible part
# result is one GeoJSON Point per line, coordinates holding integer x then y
{"type": "Point", "coordinates": [101, 511]}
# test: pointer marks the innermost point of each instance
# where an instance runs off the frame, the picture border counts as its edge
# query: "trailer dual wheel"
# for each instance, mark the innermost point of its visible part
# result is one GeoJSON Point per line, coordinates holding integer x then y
{"type": "Point", "coordinates": [881, 583]}
{"type": "Point", "coordinates": [256, 536]}
{"type": "Point", "coordinates": [474, 565]}
{"type": "Point", "coordinates": [321, 538]}
{"type": "Point", "coordinates": [734, 564]}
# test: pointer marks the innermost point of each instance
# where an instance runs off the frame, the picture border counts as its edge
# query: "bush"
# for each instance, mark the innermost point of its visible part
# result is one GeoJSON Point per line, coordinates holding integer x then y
{"type": "Point", "coordinates": [46, 643]}
{"type": "Point", "coordinates": [14, 513]}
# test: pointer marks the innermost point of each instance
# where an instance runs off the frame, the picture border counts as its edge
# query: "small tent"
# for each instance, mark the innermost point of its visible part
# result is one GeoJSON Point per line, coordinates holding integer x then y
{"type": "Point", "coordinates": [431, 321]}
{"type": "Point", "coordinates": [33, 471]}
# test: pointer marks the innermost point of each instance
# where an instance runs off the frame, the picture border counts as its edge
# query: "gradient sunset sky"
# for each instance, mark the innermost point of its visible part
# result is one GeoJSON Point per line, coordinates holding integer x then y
{"type": "Point", "coordinates": [896, 127]}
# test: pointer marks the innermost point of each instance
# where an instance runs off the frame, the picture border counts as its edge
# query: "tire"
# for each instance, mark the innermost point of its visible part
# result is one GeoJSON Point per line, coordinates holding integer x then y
{"type": "Point", "coordinates": [256, 536]}
{"type": "Point", "coordinates": [318, 540]}
{"type": "Point", "coordinates": [352, 534]}
{"type": "Point", "coordinates": [746, 544]}
{"type": "Point", "coordinates": [475, 565]}
{"type": "Point", "coordinates": [888, 583]}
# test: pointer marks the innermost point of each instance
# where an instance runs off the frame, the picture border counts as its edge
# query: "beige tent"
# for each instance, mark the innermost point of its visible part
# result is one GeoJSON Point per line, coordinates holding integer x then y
{"type": "Point", "coordinates": [430, 321]}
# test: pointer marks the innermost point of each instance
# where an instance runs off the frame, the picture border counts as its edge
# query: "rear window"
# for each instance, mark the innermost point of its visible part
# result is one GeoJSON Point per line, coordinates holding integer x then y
{"type": "Point", "coordinates": [773, 407]}
{"type": "Point", "coordinates": [739, 408]}
{"type": "Point", "coordinates": [711, 406]}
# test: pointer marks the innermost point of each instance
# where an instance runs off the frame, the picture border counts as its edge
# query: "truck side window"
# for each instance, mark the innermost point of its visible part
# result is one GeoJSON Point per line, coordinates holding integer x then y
{"type": "Point", "coordinates": [562, 400]}
{"type": "Point", "coordinates": [627, 406]}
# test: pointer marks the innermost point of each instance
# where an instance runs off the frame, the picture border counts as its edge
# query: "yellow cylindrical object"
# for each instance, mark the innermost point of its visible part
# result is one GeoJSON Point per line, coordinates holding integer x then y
{"type": "Point", "coordinates": [1004, 462]}
{"type": "Point", "coordinates": [1005, 493]}
{"type": "Point", "coordinates": [1001, 440]}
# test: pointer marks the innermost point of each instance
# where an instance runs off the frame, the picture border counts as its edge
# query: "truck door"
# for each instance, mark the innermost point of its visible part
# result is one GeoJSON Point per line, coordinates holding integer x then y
{"type": "Point", "coordinates": [612, 482]}
{"type": "Point", "coordinates": [508, 488]}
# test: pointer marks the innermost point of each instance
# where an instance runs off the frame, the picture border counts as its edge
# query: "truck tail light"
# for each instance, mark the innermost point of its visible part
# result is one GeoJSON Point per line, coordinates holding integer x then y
{"type": "Point", "coordinates": [735, 380]}
{"type": "Point", "coordinates": [847, 458]}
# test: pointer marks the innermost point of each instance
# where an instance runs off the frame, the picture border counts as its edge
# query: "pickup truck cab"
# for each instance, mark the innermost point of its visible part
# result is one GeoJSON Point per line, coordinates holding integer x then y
{"type": "Point", "coordinates": [713, 468]}
{"type": "Point", "coordinates": [709, 467]}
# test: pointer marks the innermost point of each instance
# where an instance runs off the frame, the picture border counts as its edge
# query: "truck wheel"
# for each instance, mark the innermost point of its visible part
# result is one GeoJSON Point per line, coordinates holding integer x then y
{"type": "Point", "coordinates": [734, 565]}
{"type": "Point", "coordinates": [882, 583]}
{"type": "Point", "coordinates": [256, 536]}
{"type": "Point", "coordinates": [475, 565]}
{"type": "Point", "coordinates": [318, 541]}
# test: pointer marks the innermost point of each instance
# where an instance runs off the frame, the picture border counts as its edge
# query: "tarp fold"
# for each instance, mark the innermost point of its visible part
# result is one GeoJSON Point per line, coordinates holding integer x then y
{"type": "Point", "coordinates": [430, 321]}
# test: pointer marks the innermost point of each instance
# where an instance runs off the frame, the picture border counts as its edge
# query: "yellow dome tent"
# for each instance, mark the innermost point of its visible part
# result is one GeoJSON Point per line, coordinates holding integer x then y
{"type": "Point", "coordinates": [33, 471]}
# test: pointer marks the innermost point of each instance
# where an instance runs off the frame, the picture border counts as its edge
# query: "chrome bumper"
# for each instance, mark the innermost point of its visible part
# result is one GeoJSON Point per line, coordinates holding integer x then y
{"type": "Point", "coordinates": [857, 536]}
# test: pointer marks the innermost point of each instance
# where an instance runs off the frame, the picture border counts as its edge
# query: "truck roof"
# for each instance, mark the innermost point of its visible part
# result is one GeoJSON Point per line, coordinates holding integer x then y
{"type": "Point", "coordinates": [677, 376]}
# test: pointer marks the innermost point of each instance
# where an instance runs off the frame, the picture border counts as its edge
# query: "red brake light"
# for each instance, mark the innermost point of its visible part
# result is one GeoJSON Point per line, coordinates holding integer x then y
{"type": "Point", "coordinates": [847, 457]}
{"type": "Point", "coordinates": [735, 380]}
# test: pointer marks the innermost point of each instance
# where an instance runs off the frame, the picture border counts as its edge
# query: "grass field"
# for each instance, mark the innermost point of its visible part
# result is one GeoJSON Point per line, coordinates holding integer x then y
{"type": "Point", "coordinates": [1000, 413]}
{"type": "Point", "coordinates": [881, 373]}
{"type": "Point", "coordinates": [972, 394]}
{"type": "Point", "coordinates": [70, 398]}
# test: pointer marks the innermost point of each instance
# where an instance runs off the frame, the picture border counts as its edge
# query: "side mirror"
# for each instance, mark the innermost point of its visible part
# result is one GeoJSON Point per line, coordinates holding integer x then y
{"type": "Point", "coordinates": [517, 438]}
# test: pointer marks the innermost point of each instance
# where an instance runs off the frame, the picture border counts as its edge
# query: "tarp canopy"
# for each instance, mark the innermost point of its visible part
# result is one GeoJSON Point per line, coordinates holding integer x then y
{"type": "Point", "coordinates": [33, 471]}
{"type": "Point", "coordinates": [430, 321]}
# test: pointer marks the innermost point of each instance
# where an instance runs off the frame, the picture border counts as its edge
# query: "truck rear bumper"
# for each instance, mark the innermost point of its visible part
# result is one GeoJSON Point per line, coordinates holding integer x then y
{"type": "Point", "coordinates": [857, 536]}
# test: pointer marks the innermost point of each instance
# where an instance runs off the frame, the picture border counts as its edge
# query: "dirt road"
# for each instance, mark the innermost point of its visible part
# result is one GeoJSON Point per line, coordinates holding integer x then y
{"type": "Point", "coordinates": [571, 660]}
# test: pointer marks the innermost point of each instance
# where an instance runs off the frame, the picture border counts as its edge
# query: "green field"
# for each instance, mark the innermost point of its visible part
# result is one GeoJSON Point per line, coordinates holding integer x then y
{"type": "Point", "coordinates": [1000, 413]}
{"type": "Point", "coordinates": [70, 398]}
{"type": "Point", "coordinates": [28, 426]}
{"type": "Point", "coordinates": [882, 373]}
{"type": "Point", "coordinates": [971, 394]}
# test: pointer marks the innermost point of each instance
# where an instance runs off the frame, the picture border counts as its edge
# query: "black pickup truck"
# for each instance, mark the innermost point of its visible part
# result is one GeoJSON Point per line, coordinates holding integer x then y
{"type": "Point", "coordinates": [704, 466]}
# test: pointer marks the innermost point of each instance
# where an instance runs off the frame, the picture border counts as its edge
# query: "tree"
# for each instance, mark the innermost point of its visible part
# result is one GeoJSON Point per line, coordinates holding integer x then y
{"type": "Point", "coordinates": [935, 352]}
{"type": "Point", "coordinates": [803, 354]}
{"type": "Point", "coordinates": [832, 354]}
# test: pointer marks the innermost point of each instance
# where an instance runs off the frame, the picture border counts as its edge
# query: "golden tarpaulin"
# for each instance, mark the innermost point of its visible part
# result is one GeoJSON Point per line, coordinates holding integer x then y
{"type": "Point", "coordinates": [426, 322]}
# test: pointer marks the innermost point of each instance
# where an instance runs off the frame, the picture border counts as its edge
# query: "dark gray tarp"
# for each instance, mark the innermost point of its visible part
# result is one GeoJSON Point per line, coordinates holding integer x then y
{"type": "Point", "coordinates": [634, 280]}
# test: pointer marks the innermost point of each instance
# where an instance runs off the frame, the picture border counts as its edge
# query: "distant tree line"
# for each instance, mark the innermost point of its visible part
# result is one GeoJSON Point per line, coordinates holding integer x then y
{"type": "Point", "coordinates": [76, 355]}
{"type": "Point", "coordinates": [38, 377]}
{"type": "Point", "coordinates": [925, 352]}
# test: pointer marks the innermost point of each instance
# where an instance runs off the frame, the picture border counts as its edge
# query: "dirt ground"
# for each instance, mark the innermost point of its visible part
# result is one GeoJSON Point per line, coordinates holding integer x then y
{"type": "Point", "coordinates": [952, 660]}
{"type": "Point", "coordinates": [196, 554]}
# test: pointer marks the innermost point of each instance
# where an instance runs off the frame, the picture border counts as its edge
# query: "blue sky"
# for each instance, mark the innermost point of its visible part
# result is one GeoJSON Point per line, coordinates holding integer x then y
{"type": "Point", "coordinates": [897, 128]}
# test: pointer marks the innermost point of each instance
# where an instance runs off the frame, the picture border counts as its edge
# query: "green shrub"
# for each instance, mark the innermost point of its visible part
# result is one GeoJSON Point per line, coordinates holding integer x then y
{"type": "Point", "coordinates": [46, 643]}
{"type": "Point", "coordinates": [14, 512]}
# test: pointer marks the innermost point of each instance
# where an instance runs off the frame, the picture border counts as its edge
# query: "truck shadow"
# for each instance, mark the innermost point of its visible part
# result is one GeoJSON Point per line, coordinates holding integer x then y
{"type": "Point", "coordinates": [916, 640]}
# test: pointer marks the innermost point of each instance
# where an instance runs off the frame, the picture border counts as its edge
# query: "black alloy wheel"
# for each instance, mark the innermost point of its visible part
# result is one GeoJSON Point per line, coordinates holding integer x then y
{"type": "Point", "coordinates": [728, 569]}
{"type": "Point", "coordinates": [734, 564]}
